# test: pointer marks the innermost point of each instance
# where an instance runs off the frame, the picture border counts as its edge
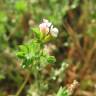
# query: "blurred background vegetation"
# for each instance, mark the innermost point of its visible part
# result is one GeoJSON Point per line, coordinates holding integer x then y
{"type": "Point", "coordinates": [75, 45]}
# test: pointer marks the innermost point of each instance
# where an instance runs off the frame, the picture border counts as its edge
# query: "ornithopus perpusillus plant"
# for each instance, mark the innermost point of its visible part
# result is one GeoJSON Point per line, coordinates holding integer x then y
{"type": "Point", "coordinates": [32, 53]}
{"type": "Point", "coordinates": [35, 58]}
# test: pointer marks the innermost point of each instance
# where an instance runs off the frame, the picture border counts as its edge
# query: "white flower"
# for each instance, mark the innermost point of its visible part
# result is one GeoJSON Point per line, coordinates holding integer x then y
{"type": "Point", "coordinates": [54, 32]}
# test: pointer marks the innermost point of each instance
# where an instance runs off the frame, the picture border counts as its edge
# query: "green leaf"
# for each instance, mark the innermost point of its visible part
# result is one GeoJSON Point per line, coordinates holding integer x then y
{"type": "Point", "coordinates": [29, 52]}
{"type": "Point", "coordinates": [22, 51]}
{"type": "Point", "coordinates": [20, 55]}
{"type": "Point", "coordinates": [26, 62]}
{"type": "Point", "coordinates": [37, 32]}
{"type": "Point", "coordinates": [51, 59]}
{"type": "Point", "coordinates": [62, 92]}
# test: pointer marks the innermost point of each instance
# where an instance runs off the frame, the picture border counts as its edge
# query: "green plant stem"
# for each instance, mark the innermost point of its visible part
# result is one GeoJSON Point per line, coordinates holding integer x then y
{"type": "Point", "coordinates": [22, 86]}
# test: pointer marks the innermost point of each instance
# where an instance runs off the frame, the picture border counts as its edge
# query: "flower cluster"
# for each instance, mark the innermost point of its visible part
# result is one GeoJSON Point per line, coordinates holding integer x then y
{"type": "Point", "coordinates": [47, 28]}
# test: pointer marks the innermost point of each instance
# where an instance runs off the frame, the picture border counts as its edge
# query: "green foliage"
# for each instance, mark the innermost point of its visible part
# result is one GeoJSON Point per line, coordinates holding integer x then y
{"type": "Point", "coordinates": [37, 34]}
{"type": "Point", "coordinates": [29, 52]}
{"type": "Point", "coordinates": [62, 92]}
{"type": "Point", "coordinates": [33, 52]}
{"type": "Point", "coordinates": [51, 59]}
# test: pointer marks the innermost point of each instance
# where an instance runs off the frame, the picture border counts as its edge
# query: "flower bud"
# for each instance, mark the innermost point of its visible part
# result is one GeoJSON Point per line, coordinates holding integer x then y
{"type": "Point", "coordinates": [44, 28]}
